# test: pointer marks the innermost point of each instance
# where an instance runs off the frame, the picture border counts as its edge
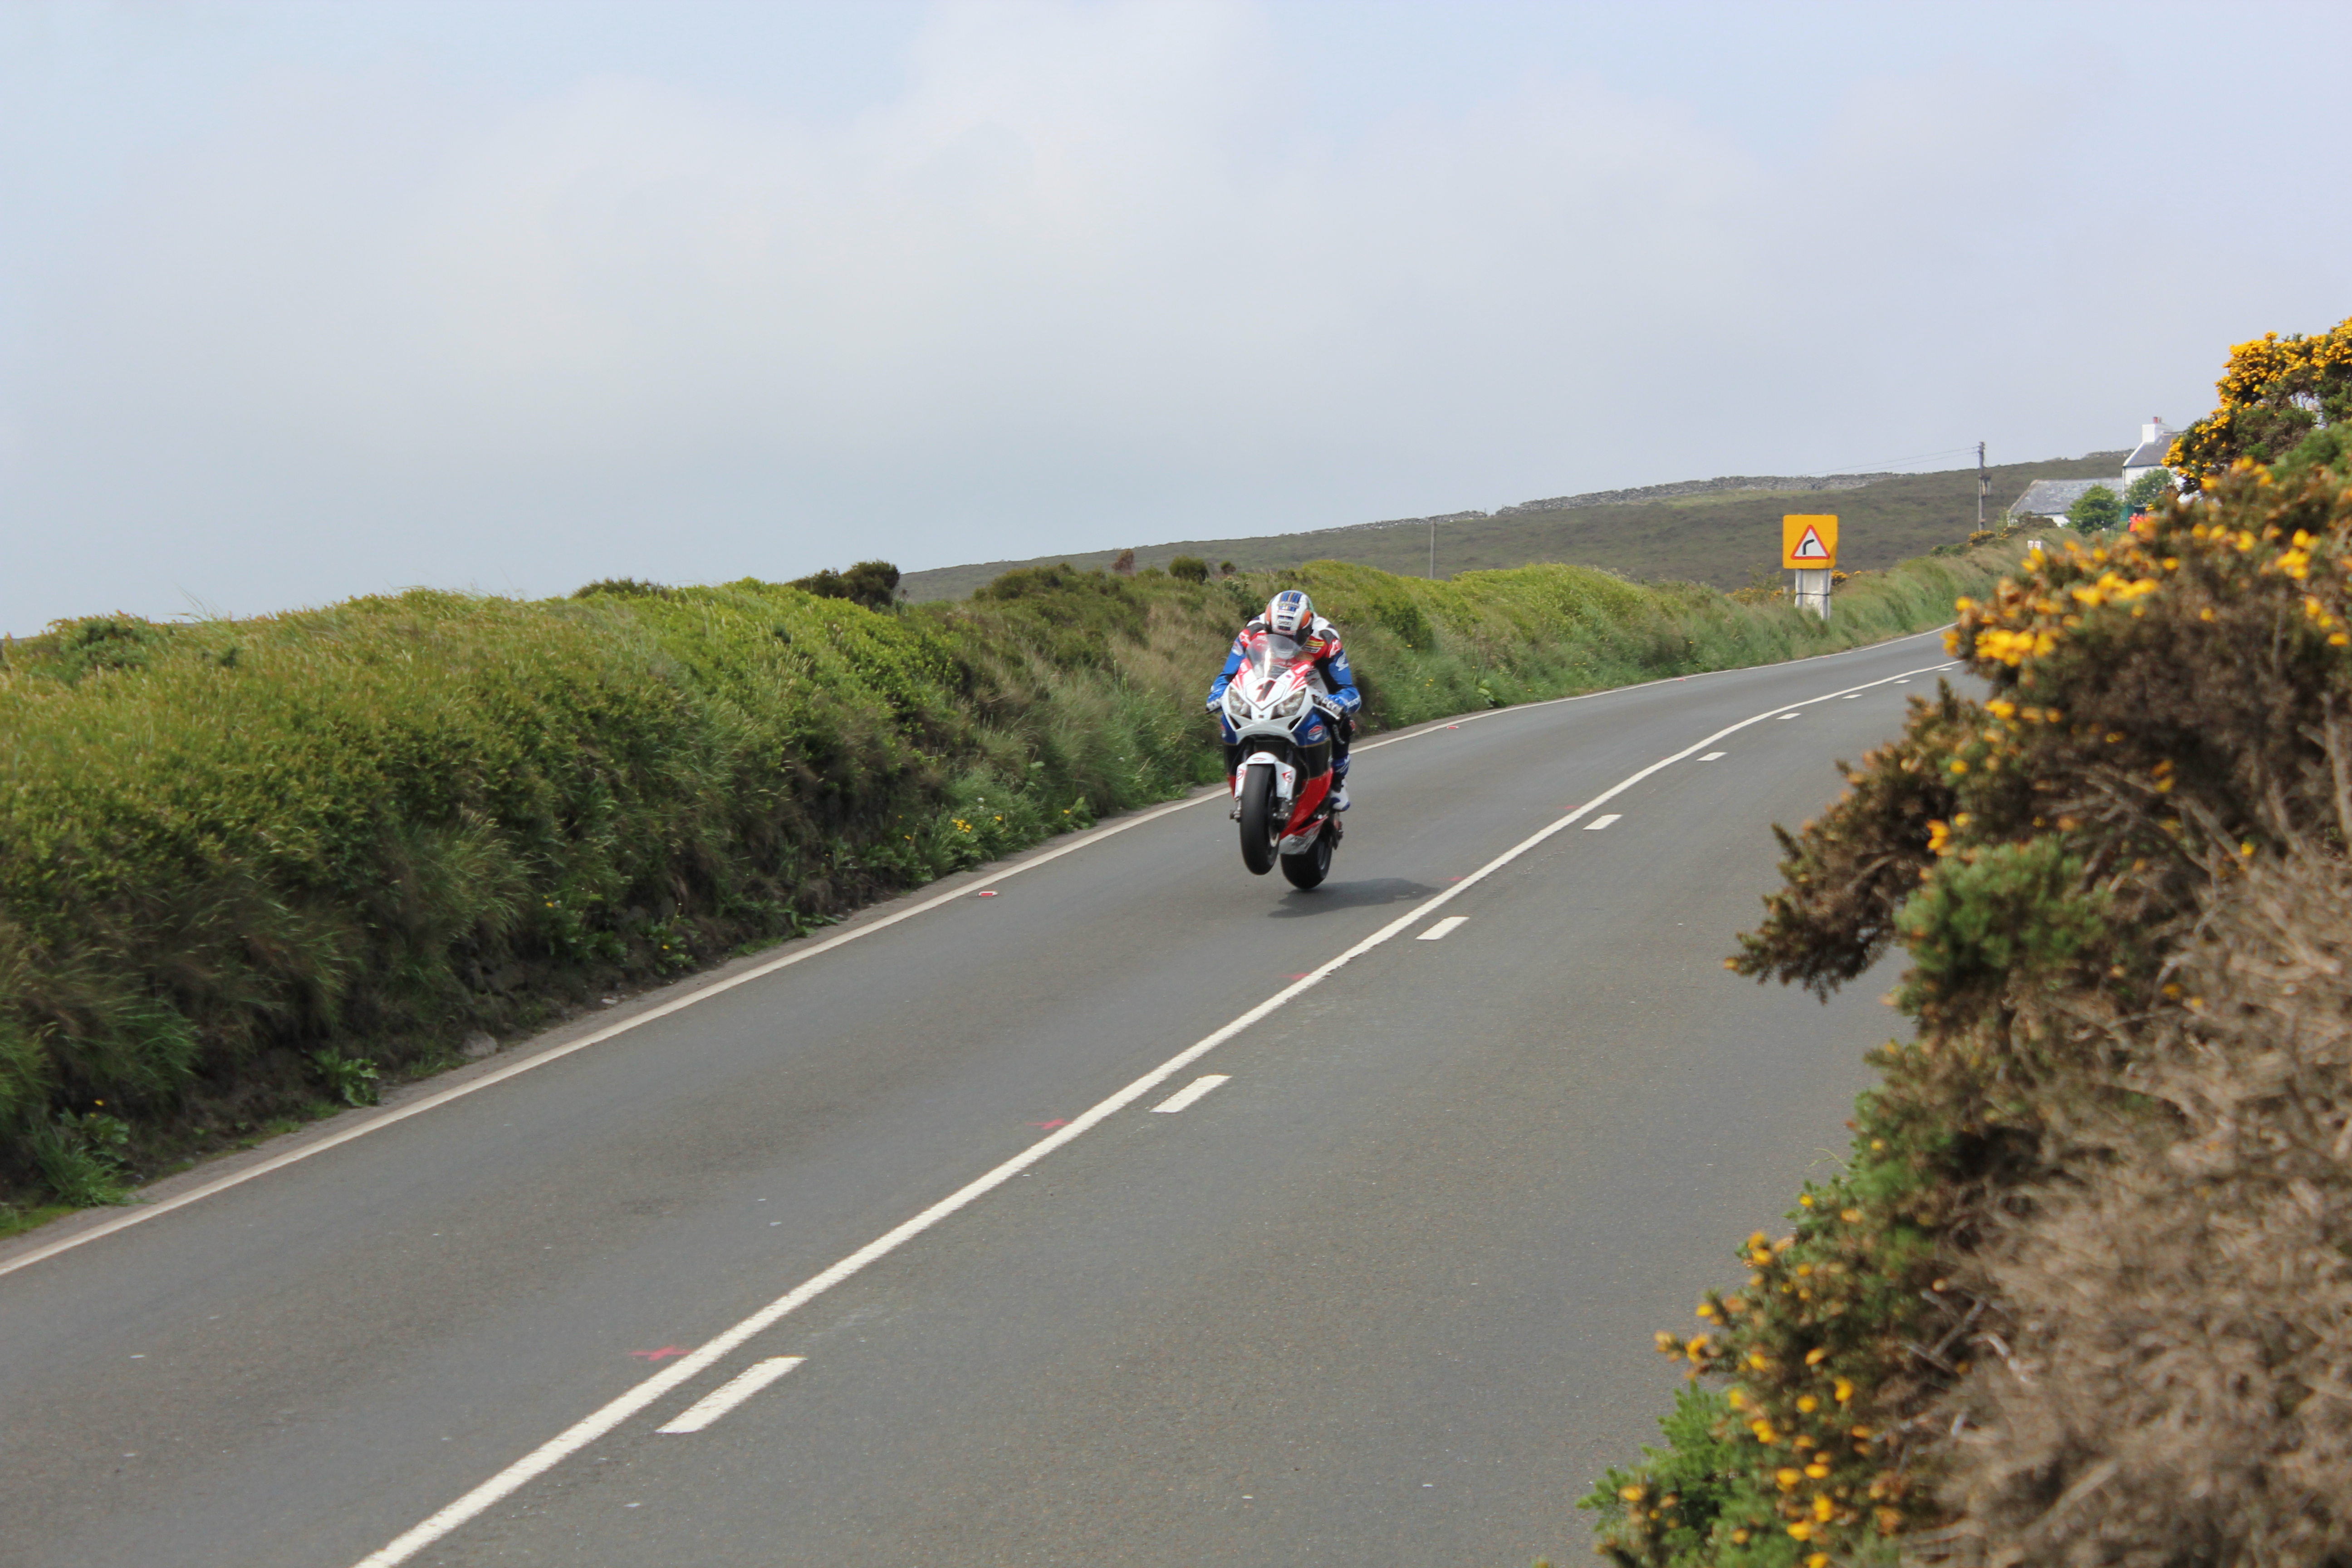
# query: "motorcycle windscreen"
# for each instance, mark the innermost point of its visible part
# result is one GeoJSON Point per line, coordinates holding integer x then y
{"type": "Point", "coordinates": [1271, 655]}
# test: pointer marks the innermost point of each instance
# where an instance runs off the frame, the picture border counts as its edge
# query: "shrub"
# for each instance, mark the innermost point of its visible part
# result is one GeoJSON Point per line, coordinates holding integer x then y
{"type": "Point", "coordinates": [1189, 569]}
{"type": "Point", "coordinates": [82, 1157]}
{"type": "Point", "coordinates": [2095, 510]}
{"type": "Point", "coordinates": [2150, 488]}
{"type": "Point", "coordinates": [352, 1080]}
{"type": "Point", "coordinates": [872, 583]}
{"type": "Point", "coordinates": [2110, 1118]}
{"type": "Point", "coordinates": [621, 588]}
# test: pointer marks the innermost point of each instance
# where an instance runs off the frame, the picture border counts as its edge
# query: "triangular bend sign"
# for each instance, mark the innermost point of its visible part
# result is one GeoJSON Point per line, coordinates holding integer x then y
{"type": "Point", "coordinates": [1810, 548]}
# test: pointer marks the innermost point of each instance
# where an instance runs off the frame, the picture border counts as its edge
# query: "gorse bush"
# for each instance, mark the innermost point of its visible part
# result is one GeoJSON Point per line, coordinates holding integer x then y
{"type": "Point", "coordinates": [2275, 394]}
{"type": "Point", "coordinates": [2081, 1292]}
{"type": "Point", "coordinates": [245, 866]}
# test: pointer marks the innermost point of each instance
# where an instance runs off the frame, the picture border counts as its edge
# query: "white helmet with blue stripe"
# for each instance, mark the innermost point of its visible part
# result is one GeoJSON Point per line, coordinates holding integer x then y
{"type": "Point", "coordinates": [1290, 613]}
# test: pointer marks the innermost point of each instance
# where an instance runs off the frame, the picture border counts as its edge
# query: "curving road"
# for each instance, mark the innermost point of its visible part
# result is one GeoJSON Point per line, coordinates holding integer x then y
{"type": "Point", "coordinates": [1107, 1206]}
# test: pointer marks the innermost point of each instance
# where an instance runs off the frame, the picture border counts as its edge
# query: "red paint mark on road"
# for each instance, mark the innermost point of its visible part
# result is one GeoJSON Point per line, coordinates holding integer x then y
{"type": "Point", "coordinates": [1454, 726]}
{"type": "Point", "coordinates": [662, 1354]}
{"type": "Point", "coordinates": [1049, 1126]}
{"type": "Point", "coordinates": [1454, 878]}
{"type": "Point", "coordinates": [1294, 977]}
{"type": "Point", "coordinates": [987, 893]}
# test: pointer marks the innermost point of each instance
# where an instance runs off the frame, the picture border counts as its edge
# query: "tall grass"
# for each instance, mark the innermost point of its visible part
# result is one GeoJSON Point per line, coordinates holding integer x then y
{"type": "Point", "coordinates": [233, 849]}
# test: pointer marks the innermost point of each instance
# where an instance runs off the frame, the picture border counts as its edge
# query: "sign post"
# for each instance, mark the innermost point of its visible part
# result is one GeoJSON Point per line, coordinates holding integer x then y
{"type": "Point", "coordinates": [1809, 548]}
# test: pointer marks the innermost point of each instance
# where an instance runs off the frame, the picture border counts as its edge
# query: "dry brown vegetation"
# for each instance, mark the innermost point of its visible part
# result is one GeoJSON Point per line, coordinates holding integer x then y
{"type": "Point", "coordinates": [2176, 1383]}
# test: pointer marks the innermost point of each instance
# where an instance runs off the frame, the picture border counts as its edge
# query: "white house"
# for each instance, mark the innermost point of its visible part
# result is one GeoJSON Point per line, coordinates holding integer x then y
{"type": "Point", "coordinates": [2052, 499]}
{"type": "Point", "coordinates": [2155, 443]}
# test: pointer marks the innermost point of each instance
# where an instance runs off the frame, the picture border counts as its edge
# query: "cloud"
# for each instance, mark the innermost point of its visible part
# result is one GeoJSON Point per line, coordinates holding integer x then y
{"type": "Point", "coordinates": [1089, 275]}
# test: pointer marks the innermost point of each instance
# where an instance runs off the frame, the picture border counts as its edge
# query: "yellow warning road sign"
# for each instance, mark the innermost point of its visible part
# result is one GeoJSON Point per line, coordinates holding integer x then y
{"type": "Point", "coordinates": [1807, 541]}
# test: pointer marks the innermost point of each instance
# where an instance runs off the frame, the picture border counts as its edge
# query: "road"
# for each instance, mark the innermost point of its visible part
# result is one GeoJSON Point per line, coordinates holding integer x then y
{"type": "Point", "coordinates": [1384, 1295]}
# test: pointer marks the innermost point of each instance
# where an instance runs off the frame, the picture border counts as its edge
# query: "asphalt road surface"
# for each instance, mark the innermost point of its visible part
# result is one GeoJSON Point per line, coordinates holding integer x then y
{"type": "Point", "coordinates": [912, 1225]}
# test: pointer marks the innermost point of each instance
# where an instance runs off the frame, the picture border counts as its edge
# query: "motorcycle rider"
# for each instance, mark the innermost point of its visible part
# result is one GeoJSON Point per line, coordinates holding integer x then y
{"type": "Point", "coordinates": [1291, 613]}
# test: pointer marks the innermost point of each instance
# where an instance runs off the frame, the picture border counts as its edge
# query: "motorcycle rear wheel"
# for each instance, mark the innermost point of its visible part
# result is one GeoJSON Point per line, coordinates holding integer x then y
{"type": "Point", "coordinates": [1311, 865]}
{"type": "Point", "coordinates": [1260, 830]}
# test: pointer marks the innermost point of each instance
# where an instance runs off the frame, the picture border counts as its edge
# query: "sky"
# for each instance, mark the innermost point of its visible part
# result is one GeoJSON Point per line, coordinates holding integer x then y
{"type": "Point", "coordinates": [300, 302]}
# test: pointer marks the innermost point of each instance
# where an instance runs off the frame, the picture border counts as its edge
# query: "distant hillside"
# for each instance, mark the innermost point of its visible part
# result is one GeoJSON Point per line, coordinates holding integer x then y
{"type": "Point", "coordinates": [1700, 531]}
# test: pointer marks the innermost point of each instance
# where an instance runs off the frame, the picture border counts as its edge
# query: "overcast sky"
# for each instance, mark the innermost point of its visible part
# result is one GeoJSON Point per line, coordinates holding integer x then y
{"type": "Point", "coordinates": [298, 301]}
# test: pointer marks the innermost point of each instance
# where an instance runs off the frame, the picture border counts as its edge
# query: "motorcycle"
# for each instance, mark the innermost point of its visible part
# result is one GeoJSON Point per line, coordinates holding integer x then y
{"type": "Point", "coordinates": [1279, 728]}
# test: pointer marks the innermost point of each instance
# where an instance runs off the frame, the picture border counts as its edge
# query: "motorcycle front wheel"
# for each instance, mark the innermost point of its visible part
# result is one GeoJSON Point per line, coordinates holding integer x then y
{"type": "Point", "coordinates": [1311, 865]}
{"type": "Point", "coordinates": [1260, 830]}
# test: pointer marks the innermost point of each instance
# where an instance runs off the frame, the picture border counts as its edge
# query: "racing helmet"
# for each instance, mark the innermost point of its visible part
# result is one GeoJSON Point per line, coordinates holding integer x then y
{"type": "Point", "coordinates": [1290, 613]}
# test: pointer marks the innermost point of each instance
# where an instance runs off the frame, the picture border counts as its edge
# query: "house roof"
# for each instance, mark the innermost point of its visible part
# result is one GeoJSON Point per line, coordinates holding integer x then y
{"type": "Point", "coordinates": [2150, 454]}
{"type": "Point", "coordinates": [2052, 498]}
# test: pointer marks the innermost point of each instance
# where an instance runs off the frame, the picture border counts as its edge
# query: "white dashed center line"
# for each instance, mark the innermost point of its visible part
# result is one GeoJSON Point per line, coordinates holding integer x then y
{"type": "Point", "coordinates": [730, 1393]}
{"type": "Point", "coordinates": [1438, 932]}
{"type": "Point", "coordinates": [1714, 756]}
{"type": "Point", "coordinates": [1191, 1092]}
{"type": "Point", "coordinates": [1789, 715]}
{"type": "Point", "coordinates": [1598, 823]}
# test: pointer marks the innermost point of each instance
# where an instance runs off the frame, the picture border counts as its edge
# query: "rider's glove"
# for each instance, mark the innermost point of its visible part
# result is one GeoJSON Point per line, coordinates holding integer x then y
{"type": "Point", "coordinates": [1329, 706]}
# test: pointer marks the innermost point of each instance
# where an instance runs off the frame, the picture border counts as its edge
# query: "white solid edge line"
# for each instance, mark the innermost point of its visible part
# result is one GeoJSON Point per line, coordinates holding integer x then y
{"type": "Point", "coordinates": [1598, 823]}
{"type": "Point", "coordinates": [145, 1212]}
{"type": "Point", "coordinates": [1444, 928]}
{"type": "Point", "coordinates": [577, 1436]}
{"type": "Point", "coordinates": [729, 1394]}
{"type": "Point", "coordinates": [1191, 1092]}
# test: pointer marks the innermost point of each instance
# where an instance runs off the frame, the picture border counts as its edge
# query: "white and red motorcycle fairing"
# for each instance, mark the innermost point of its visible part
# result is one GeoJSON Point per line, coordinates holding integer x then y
{"type": "Point", "coordinates": [1278, 721]}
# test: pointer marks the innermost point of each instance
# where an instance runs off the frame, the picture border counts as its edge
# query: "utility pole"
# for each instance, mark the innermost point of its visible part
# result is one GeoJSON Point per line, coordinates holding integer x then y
{"type": "Point", "coordinates": [1984, 485]}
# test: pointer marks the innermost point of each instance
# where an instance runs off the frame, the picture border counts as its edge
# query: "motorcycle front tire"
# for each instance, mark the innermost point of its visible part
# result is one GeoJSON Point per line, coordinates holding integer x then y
{"type": "Point", "coordinates": [1260, 831]}
{"type": "Point", "coordinates": [1311, 865]}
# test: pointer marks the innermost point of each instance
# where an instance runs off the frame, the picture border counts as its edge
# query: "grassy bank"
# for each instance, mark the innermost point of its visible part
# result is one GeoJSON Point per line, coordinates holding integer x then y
{"type": "Point", "coordinates": [251, 869]}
